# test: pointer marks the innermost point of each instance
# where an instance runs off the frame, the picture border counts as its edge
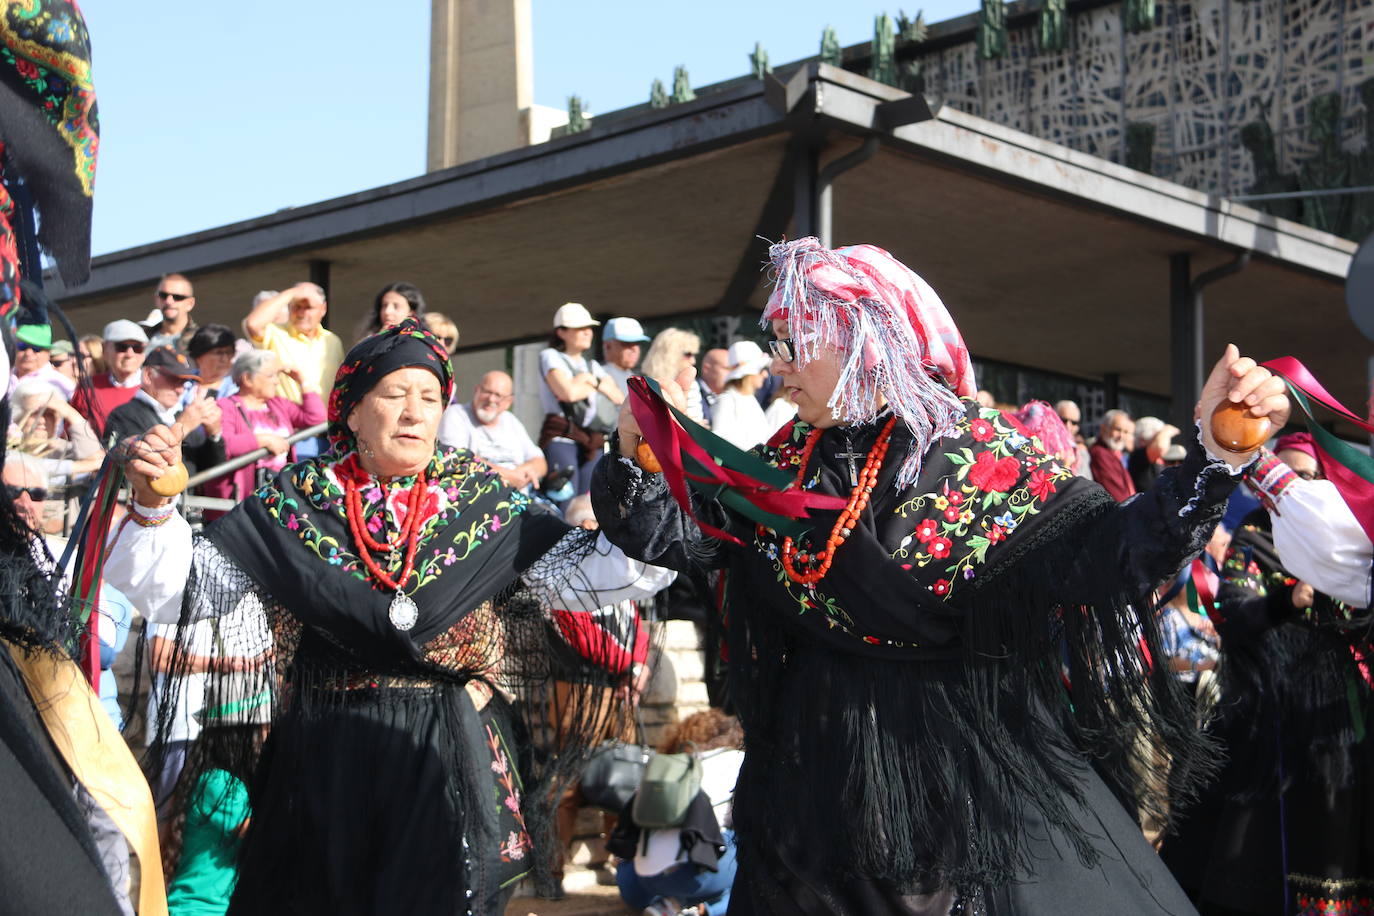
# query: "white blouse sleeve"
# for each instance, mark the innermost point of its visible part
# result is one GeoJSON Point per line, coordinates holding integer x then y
{"type": "Point", "coordinates": [605, 574]}
{"type": "Point", "coordinates": [1320, 541]}
{"type": "Point", "coordinates": [149, 560]}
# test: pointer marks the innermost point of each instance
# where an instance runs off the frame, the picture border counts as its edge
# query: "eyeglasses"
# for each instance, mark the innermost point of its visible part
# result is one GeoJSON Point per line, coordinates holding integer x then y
{"type": "Point", "coordinates": [175, 297]}
{"type": "Point", "coordinates": [58, 363]}
{"type": "Point", "coordinates": [124, 346]}
{"type": "Point", "coordinates": [782, 349]}
{"type": "Point", "coordinates": [37, 494]}
{"type": "Point", "coordinates": [494, 395]}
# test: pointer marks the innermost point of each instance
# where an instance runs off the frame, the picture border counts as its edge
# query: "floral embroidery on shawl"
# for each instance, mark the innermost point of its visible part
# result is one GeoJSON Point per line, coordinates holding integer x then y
{"type": "Point", "coordinates": [460, 481]}
{"type": "Point", "coordinates": [984, 482]}
{"type": "Point", "coordinates": [994, 486]}
{"type": "Point", "coordinates": [47, 46]}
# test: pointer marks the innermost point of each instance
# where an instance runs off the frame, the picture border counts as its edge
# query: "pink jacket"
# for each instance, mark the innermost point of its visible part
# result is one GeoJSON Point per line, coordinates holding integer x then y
{"type": "Point", "coordinates": [240, 438]}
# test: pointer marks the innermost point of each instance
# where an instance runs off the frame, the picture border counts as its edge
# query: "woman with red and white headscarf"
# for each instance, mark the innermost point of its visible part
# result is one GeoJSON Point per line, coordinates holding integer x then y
{"type": "Point", "coordinates": [944, 683]}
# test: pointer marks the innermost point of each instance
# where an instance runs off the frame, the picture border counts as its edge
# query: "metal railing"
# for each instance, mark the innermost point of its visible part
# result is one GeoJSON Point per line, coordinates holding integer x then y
{"type": "Point", "coordinates": [233, 464]}
{"type": "Point", "coordinates": [190, 501]}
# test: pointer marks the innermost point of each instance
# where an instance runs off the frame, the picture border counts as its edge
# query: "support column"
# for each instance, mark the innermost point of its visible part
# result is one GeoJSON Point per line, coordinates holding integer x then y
{"type": "Point", "coordinates": [1111, 391]}
{"type": "Point", "coordinates": [1185, 341]}
{"type": "Point", "coordinates": [805, 219]}
{"type": "Point", "coordinates": [319, 275]}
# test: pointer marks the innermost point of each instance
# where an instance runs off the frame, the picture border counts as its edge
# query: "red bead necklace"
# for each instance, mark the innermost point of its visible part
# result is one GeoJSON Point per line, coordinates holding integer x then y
{"type": "Point", "coordinates": [814, 566]}
{"type": "Point", "coordinates": [409, 533]}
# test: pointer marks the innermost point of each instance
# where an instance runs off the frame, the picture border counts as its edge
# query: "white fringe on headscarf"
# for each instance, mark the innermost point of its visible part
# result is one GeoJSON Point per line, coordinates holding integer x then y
{"type": "Point", "coordinates": [894, 334]}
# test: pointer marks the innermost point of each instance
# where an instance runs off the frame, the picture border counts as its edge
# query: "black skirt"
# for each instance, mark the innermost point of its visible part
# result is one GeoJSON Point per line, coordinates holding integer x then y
{"type": "Point", "coordinates": [385, 800]}
{"type": "Point", "coordinates": [1127, 880]}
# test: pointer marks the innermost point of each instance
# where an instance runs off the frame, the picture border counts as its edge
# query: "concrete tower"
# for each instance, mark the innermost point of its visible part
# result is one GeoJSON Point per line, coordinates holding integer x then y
{"type": "Point", "coordinates": [481, 81]}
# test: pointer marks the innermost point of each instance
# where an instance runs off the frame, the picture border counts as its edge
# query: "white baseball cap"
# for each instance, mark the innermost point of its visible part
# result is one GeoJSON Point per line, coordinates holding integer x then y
{"type": "Point", "coordinates": [124, 329]}
{"type": "Point", "coordinates": [746, 358]}
{"type": "Point", "coordinates": [625, 330]}
{"type": "Point", "coordinates": [573, 315]}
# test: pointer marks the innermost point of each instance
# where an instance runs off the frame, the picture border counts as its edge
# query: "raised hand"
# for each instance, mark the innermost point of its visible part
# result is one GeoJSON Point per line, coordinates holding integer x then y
{"type": "Point", "coordinates": [149, 457]}
{"type": "Point", "coordinates": [1240, 380]}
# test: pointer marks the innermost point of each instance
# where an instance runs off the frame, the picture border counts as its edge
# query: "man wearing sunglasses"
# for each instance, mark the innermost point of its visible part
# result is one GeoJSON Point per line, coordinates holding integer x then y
{"type": "Point", "coordinates": [32, 359]}
{"type": "Point", "coordinates": [174, 298]}
{"type": "Point", "coordinates": [125, 344]}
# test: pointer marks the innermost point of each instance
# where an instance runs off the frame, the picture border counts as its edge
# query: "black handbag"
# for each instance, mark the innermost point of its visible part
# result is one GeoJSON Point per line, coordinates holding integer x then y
{"type": "Point", "coordinates": [614, 772]}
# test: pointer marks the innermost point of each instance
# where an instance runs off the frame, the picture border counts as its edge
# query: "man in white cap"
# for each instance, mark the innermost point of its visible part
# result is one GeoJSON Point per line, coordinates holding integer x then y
{"type": "Point", "coordinates": [621, 343]}
{"type": "Point", "coordinates": [123, 350]}
{"type": "Point", "coordinates": [737, 416]}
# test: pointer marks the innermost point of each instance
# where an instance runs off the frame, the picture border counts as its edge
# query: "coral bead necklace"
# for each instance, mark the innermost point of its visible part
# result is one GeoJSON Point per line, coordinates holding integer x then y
{"type": "Point", "coordinates": [408, 535]}
{"type": "Point", "coordinates": [810, 568]}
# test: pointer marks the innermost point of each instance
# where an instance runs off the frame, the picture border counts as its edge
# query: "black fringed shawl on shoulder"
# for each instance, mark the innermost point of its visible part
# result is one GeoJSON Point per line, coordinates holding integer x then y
{"type": "Point", "coordinates": [975, 640]}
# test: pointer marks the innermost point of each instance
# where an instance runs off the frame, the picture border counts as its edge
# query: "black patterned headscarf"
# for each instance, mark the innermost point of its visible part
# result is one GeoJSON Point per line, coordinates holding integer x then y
{"type": "Point", "coordinates": [400, 346]}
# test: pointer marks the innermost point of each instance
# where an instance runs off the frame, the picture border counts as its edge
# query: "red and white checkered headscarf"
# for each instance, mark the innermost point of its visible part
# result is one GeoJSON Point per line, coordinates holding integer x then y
{"type": "Point", "coordinates": [896, 337]}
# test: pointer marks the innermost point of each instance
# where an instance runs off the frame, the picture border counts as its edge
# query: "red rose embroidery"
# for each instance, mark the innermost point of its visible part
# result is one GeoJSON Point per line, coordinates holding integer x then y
{"type": "Point", "coordinates": [941, 587]}
{"type": "Point", "coordinates": [26, 69]}
{"type": "Point", "coordinates": [955, 498]}
{"type": "Point", "coordinates": [926, 530]}
{"type": "Point", "coordinates": [981, 430]}
{"type": "Point", "coordinates": [939, 548]}
{"type": "Point", "coordinates": [952, 514]}
{"type": "Point", "coordinates": [1041, 484]}
{"type": "Point", "coordinates": [988, 473]}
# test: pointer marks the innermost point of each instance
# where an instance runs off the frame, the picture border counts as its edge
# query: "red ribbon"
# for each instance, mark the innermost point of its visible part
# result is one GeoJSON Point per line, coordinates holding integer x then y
{"type": "Point", "coordinates": [1297, 373]}
{"type": "Point", "coordinates": [670, 442]}
{"type": "Point", "coordinates": [1206, 582]}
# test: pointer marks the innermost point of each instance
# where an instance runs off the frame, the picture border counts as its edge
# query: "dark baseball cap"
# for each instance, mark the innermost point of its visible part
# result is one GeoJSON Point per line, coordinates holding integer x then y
{"type": "Point", "coordinates": [169, 362]}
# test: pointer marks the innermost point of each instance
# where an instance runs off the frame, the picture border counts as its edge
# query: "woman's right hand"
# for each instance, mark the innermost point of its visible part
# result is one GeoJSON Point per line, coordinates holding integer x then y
{"type": "Point", "coordinates": [628, 431]}
{"type": "Point", "coordinates": [272, 442]}
{"type": "Point", "coordinates": [147, 457]}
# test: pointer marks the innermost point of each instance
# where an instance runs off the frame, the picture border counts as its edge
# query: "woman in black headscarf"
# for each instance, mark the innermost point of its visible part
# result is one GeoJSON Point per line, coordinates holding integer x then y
{"type": "Point", "coordinates": [404, 590]}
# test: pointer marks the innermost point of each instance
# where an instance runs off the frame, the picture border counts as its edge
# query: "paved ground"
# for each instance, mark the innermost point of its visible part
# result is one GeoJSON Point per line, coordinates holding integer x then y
{"type": "Point", "coordinates": [595, 901]}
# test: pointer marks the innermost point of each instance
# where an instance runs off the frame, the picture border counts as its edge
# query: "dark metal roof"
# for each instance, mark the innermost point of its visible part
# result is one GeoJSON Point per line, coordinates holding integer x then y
{"type": "Point", "coordinates": [1046, 256]}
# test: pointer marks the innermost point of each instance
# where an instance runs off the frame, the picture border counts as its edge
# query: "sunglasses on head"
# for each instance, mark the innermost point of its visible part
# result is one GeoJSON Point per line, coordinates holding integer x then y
{"type": "Point", "coordinates": [37, 494]}
{"type": "Point", "coordinates": [175, 297]}
{"type": "Point", "coordinates": [782, 349]}
{"type": "Point", "coordinates": [124, 346]}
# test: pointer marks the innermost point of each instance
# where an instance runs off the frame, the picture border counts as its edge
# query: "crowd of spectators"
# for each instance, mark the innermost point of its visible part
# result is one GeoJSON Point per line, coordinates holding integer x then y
{"type": "Point", "coordinates": [255, 389]}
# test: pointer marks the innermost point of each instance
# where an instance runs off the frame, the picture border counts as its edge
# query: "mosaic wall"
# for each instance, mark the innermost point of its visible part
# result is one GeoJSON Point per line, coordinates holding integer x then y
{"type": "Point", "coordinates": [1218, 96]}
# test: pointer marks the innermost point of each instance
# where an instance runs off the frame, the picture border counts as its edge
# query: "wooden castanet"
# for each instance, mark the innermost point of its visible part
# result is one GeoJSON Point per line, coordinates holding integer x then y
{"type": "Point", "coordinates": [172, 482]}
{"type": "Point", "coordinates": [646, 459]}
{"type": "Point", "coordinates": [1236, 430]}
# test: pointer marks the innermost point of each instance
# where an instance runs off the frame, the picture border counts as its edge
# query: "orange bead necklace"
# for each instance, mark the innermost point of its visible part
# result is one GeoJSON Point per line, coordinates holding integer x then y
{"type": "Point", "coordinates": [409, 533]}
{"type": "Point", "coordinates": [810, 568]}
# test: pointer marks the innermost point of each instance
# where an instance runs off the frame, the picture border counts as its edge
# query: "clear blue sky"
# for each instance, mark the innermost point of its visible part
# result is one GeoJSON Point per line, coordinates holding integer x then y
{"type": "Point", "coordinates": [217, 112]}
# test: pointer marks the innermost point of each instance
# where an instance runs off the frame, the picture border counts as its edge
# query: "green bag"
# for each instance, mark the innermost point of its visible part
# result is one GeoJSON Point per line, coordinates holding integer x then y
{"type": "Point", "coordinates": [671, 782]}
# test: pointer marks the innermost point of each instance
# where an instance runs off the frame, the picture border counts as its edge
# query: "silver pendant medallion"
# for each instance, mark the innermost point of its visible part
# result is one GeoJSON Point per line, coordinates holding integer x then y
{"type": "Point", "coordinates": [403, 612]}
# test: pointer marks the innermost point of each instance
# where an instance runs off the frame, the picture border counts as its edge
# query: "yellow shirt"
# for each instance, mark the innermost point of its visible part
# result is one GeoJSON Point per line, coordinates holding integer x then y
{"type": "Point", "coordinates": [317, 357]}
